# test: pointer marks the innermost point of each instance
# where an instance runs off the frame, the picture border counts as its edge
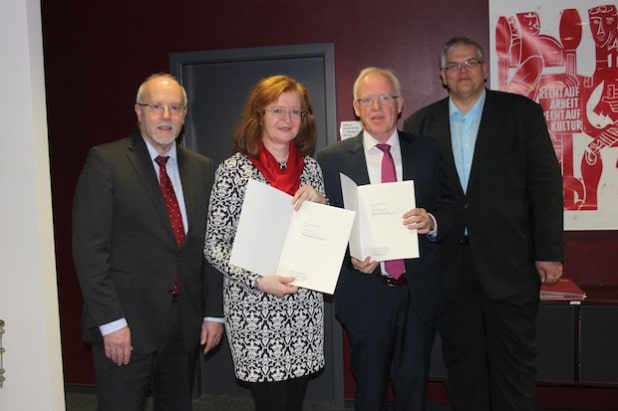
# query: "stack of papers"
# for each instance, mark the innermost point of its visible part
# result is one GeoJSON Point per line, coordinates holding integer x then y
{"type": "Point", "coordinates": [565, 289]}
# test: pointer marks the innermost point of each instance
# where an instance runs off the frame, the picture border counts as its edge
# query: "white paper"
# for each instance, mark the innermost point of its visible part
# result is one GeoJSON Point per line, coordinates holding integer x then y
{"type": "Point", "coordinates": [378, 230]}
{"type": "Point", "coordinates": [308, 244]}
{"type": "Point", "coordinates": [348, 129]}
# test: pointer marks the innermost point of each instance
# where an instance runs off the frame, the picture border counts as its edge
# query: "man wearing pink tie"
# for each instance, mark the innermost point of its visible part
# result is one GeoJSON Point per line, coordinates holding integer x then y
{"type": "Point", "coordinates": [390, 308]}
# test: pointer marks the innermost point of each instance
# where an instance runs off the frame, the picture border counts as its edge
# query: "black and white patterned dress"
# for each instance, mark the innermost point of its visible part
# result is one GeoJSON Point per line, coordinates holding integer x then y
{"type": "Point", "coordinates": [270, 338]}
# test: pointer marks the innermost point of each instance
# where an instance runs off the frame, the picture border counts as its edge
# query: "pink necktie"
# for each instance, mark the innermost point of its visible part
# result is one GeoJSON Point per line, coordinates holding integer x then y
{"type": "Point", "coordinates": [173, 209]}
{"type": "Point", "coordinates": [394, 268]}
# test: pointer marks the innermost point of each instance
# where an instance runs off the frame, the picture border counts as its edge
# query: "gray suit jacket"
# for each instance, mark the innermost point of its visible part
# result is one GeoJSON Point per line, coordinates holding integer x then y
{"type": "Point", "coordinates": [124, 249]}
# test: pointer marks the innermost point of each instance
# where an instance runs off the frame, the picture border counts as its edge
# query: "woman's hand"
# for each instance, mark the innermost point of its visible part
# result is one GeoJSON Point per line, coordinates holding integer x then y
{"type": "Point", "coordinates": [307, 193]}
{"type": "Point", "coordinates": [277, 285]}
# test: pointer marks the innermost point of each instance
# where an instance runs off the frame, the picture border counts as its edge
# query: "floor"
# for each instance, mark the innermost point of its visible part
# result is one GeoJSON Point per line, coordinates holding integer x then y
{"type": "Point", "coordinates": [85, 400]}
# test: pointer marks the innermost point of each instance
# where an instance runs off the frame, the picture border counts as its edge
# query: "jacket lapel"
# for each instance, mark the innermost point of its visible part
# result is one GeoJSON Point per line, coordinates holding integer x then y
{"type": "Point", "coordinates": [487, 131]}
{"type": "Point", "coordinates": [186, 175]}
{"type": "Point", "coordinates": [139, 157]}
{"type": "Point", "coordinates": [408, 162]}
{"type": "Point", "coordinates": [441, 127]}
{"type": "Point", "coordinates": [357, 169]}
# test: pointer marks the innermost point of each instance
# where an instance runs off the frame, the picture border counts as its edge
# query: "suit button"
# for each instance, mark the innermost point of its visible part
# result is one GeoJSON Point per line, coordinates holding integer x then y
{"type": "Point", "coordinates": [467, 205]}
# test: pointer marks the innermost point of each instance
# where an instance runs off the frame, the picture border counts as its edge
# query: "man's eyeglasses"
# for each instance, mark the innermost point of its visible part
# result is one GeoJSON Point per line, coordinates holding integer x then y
{"type": "Point", "coordinates": [382, 98]}
{"type": "Point", "coordinates": [159, 108]}
{"type": "Point", "coordinates": [280, 112]}
{"type": "Point", "coordinates": [468, 64]}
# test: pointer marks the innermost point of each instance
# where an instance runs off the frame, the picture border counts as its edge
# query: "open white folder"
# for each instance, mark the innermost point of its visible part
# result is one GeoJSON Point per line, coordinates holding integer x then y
{"type": "Point", "coordinates": [273, 238]}
{"type": "Point", "coordinates": [378, 230]}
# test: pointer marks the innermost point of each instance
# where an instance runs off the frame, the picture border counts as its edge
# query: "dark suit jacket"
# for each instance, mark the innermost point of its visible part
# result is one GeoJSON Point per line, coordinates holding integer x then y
{"type": "Point", "coordinates": [513, 205]}
{"type": "Point", "coordinates": [124, 248]}
{"type": "Point", "coordinates": [356, 294]}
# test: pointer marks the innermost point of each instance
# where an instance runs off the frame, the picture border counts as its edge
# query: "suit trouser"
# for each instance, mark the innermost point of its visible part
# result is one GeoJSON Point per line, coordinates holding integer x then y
{"type": "Point", "coordinates": [489, 347]}
{"type": "Point", "coordinates": [397, 345]}
{"type": "Point", "coordinates": [169, 371]}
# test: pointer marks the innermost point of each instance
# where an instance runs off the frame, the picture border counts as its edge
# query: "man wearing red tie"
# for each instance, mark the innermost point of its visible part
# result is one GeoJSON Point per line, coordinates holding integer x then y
{"type": "Point", "coordinates": [390, 308]}
{"type": "Point", "coordinates": [139, 218]}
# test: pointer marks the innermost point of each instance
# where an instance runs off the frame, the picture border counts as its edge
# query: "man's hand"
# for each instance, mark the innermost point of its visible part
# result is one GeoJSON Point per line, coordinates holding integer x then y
{"type": "Point", "coordinates": [418, 219]}
{"type": "Point", "coordinates": [118, 346]}
{"type": "Point", "coordinates": [549, 271]}
{"type": "Point", "coordinates": [212, 331]}
{"type": "Point", "coordinates": [366, 266]}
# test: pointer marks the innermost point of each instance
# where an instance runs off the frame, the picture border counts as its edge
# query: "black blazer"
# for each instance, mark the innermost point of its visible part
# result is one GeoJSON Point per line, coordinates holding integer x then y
{"type": "Point", "coordinates": [513, 207]}
{"type": "Point", "coordinates": [356, 294]}
{"type": "Point", "coordinates": [124, 249]}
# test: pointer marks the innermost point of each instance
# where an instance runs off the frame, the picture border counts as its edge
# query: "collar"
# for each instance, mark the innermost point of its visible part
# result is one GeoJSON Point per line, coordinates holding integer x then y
{"type": "Point", "coordinates": [172, 154]}
{"type": "Point", "coordinates": [475, 111]}
{"type": "Point", "coordinates": [369, 142]}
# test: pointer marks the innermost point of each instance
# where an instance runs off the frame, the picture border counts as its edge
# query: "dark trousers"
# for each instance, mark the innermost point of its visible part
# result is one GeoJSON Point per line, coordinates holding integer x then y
{"type": "Point", "coordinates": [286, 395]}
{"type": "Point", "coordinates": [489, 347]}
{"type": "Point", "coordinates": [396, 346]}
{"type": "Point", "coordinates": [169, 371]}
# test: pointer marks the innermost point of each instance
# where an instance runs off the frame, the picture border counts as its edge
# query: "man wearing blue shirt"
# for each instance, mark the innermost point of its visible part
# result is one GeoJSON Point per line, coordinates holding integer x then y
{"type": "Point", "coordinates": [507, 239]}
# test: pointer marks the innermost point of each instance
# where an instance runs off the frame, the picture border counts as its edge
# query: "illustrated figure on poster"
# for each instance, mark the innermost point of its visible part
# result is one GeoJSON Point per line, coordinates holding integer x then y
{"type": "Point", "coordinates": [572, 103]}
{"type": "Point", "coordinates": [521, 46]}
{"type": "Point", "coordinates": [522, 43]}
{"type": "Point", "coordinates": [602, 104]}
{"type": "Point", "coordinates": [562, 95]}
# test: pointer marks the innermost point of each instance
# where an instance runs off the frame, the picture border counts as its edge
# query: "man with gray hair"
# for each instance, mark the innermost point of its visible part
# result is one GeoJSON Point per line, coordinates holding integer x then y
{"type": "Point", "coordinates": [507, 239]}
{"type": "Point", "coordinates": [139, 218]}
{"type": "Point", "coordinates": [390, 308]}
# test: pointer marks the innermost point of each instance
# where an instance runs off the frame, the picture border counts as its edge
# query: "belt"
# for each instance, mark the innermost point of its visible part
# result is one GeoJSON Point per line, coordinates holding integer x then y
{"type": "Point", "coordinates": [394, 282]}
{"type": "Point", "coordinates": [465, 240]}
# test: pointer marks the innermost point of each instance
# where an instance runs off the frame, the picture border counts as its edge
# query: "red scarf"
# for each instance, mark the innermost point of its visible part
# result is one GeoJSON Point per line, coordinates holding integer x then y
{"type": "Point", "coordinates": [286, 180]}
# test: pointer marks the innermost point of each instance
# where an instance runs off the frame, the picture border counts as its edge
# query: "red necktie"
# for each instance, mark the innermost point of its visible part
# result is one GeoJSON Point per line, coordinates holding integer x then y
{"type": "Point", "coordinates": [173, 210]}
{"type": "Point", "coordinates": [394, 268]}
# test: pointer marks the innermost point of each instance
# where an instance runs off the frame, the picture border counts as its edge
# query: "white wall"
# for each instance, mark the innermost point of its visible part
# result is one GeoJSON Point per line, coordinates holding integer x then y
{"type": "Point", "coordinates": [28, 293]}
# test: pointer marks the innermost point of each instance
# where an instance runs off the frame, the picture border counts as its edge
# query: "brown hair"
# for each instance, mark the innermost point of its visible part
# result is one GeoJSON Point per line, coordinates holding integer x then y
{"type": "Point", "coordinates": [250, 127]}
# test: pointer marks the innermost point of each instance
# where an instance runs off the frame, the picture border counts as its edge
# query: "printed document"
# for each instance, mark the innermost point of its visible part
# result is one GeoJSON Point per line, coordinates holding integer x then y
{"type": "Point", "coordinates": [378, 230]}
{"type": "Point", "coordinates": [273, 238]}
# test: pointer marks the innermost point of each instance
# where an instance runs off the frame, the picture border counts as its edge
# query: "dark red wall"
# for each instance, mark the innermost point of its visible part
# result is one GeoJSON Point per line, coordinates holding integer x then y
{"type": "Point", "coordinates": [97, 53]}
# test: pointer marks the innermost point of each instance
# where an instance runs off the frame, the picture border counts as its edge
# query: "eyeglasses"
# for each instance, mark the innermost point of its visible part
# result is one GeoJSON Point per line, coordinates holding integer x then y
{"type": "Point", "coordinates": [468, 64]}
{"type": "Point", "coordinates": [382, 98]}
{"type": "Point", "coordinates": [281, 112]}
{"type": "Point", "coordinates": [160, 108]}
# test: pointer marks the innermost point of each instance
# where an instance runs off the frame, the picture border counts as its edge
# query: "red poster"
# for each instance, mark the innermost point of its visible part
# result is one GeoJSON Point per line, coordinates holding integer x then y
{"type": "Point", "coordinates": [564, 55]}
